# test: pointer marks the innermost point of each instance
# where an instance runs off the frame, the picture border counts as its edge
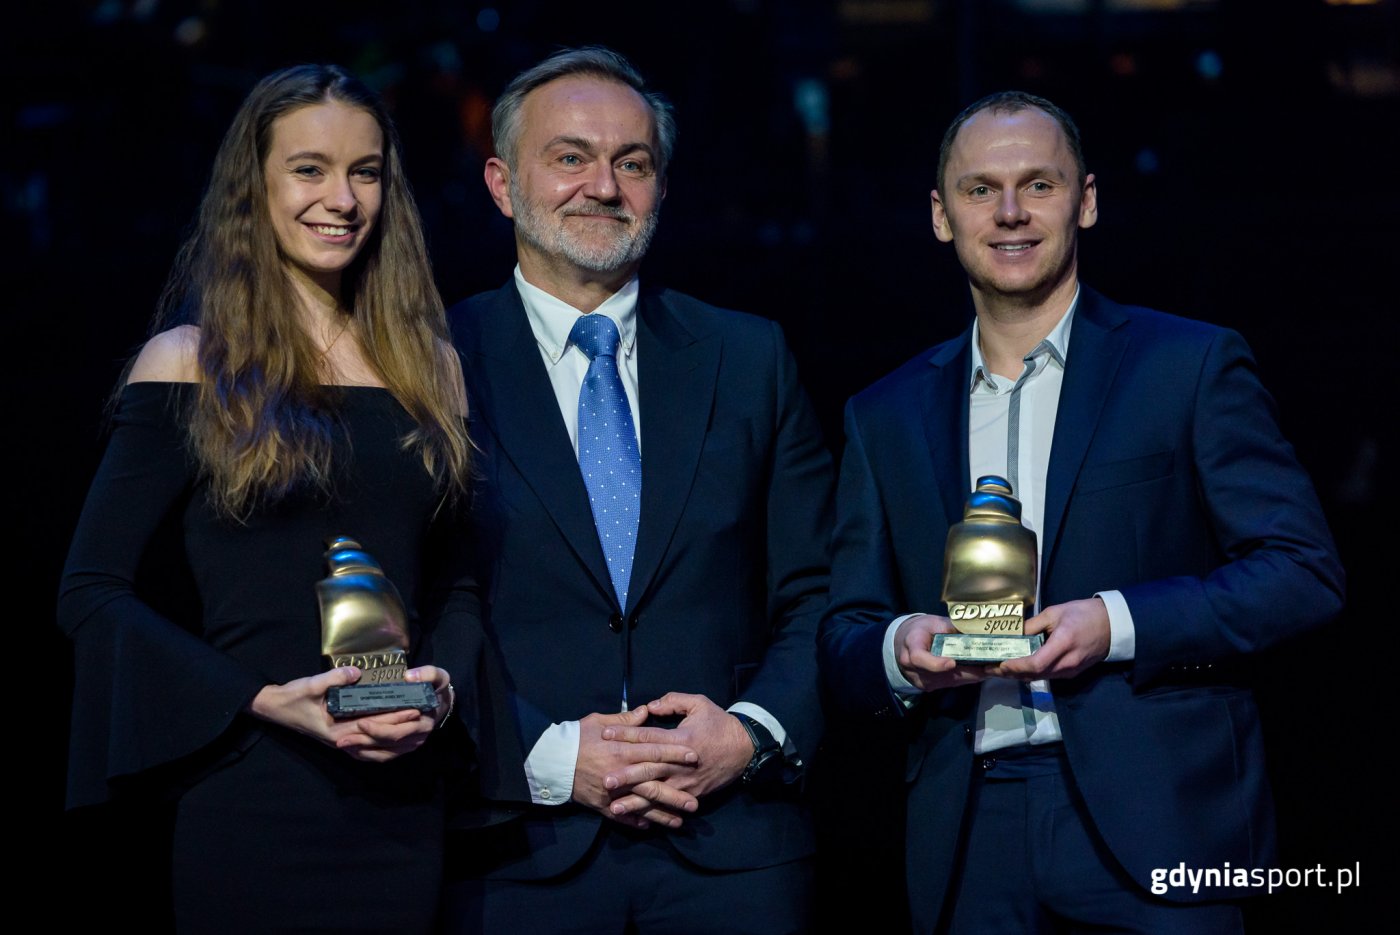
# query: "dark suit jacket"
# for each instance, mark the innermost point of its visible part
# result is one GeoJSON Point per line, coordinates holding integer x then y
{"type": "Point", "coordinates": [1169, 481]}
{"type": "Point", "coordinates": [730, 575]}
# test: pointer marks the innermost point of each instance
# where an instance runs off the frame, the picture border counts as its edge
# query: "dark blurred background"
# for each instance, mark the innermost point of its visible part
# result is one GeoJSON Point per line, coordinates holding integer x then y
{"type": "Point", "coordinates": [1247, 175]}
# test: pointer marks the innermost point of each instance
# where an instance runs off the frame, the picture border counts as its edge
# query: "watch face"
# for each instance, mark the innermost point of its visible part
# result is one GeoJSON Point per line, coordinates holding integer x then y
{"type": "Point", "coordinates": [765, 769]}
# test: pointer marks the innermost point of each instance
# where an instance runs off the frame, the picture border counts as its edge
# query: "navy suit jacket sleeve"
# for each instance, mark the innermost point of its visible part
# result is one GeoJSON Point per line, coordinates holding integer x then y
{"type": "Point", "coordinates": [1279, 573]}
{"type": "Point", "coordinates": [798, 524]}
{"type": "Point", "coordinates": [866, 592]}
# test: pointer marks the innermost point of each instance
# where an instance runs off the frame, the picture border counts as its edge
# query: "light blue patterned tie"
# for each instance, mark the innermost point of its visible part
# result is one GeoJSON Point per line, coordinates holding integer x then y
{"type": "Point", "coordinates": [607, 449]}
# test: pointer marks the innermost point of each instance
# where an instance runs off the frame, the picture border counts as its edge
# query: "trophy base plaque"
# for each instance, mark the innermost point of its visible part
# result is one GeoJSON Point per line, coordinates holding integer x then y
{"type": "Point", "coordinates": [381, 687]}
{"type": "Point", "coordinates": [984, 647]}
{"type": "Point", "coordinates": [344, 701]}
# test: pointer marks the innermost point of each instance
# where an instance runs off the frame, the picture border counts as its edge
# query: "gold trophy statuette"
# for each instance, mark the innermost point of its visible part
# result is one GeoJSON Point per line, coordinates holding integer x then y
{"type": "Point", "coordinates": [989, 572]}
{"type": "Point", "coordinates": [363, 624]}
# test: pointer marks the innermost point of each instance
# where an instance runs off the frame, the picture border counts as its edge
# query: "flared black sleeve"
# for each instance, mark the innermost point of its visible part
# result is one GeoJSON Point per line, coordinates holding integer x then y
{"type": "Point", "coordinates": [149, 690]}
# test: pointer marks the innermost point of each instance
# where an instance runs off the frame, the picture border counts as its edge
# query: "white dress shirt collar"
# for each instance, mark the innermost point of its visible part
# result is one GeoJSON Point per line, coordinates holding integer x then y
{"type": "Point", "coordinates": [1058, 339]}
{"type": "Point", "coordinates": [552, 319]}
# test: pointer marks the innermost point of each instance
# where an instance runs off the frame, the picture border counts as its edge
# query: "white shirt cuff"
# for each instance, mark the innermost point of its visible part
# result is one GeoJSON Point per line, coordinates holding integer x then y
{"type": "Point", "coordinates": [907, 691]}
{"type": "Point", "coordinates": [762, 716]}
{"type": "Point", "coordinates": [1122, 636]}
{"type": "Point", "coordinates": [549, 769]}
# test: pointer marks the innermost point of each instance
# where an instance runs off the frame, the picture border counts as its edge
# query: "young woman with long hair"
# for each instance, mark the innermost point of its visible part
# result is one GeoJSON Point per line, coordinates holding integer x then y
{"type": "Point", "coordinates": [299, 387]}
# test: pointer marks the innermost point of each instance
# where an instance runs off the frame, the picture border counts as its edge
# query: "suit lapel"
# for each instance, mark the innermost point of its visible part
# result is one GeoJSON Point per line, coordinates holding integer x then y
{"type": "Point", "coordinates": [677, 376]}
{"type": "Point", "coordinates": [944, 415]}
{"type": "Point", "coordinates": [518, 402]}
{"type": "Point", "coordinates": [1097, 343]}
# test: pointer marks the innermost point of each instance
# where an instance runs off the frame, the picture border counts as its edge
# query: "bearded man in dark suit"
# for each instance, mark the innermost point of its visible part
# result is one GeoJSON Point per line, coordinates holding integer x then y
{"type": "Point", "coordinates": [654, 521]}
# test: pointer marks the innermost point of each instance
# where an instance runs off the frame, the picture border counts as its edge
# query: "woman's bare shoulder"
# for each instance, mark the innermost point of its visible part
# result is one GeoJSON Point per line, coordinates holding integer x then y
{"type": "Point", "coordinates": [169, 357]}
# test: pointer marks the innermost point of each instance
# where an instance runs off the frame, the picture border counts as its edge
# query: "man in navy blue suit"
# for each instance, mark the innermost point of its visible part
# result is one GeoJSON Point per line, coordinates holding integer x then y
{"type": "Point", "coordinates": [1178, 537]}
{"type": "Point", "coordinates": [653, 527]}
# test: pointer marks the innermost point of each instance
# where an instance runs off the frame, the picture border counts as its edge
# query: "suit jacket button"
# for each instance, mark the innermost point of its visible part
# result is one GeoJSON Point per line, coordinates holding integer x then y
{"type": "Point", "coordinates": [633, 621]}
{"type": "Point", "coordinates": [615, 623]}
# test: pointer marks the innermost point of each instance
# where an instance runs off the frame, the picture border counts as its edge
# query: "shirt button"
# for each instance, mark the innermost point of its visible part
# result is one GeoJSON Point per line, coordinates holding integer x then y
{"type": "Point", "coordinates": [544, 793]}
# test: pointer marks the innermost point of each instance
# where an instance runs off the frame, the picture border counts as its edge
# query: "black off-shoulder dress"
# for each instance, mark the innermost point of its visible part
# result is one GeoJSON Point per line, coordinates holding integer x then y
{"type": "Point", "coordinates": [274, 831]}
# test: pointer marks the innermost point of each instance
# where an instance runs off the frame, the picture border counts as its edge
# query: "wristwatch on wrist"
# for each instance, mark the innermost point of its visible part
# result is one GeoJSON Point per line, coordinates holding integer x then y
{"type": "Point", "coordinates": [765, 769]}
